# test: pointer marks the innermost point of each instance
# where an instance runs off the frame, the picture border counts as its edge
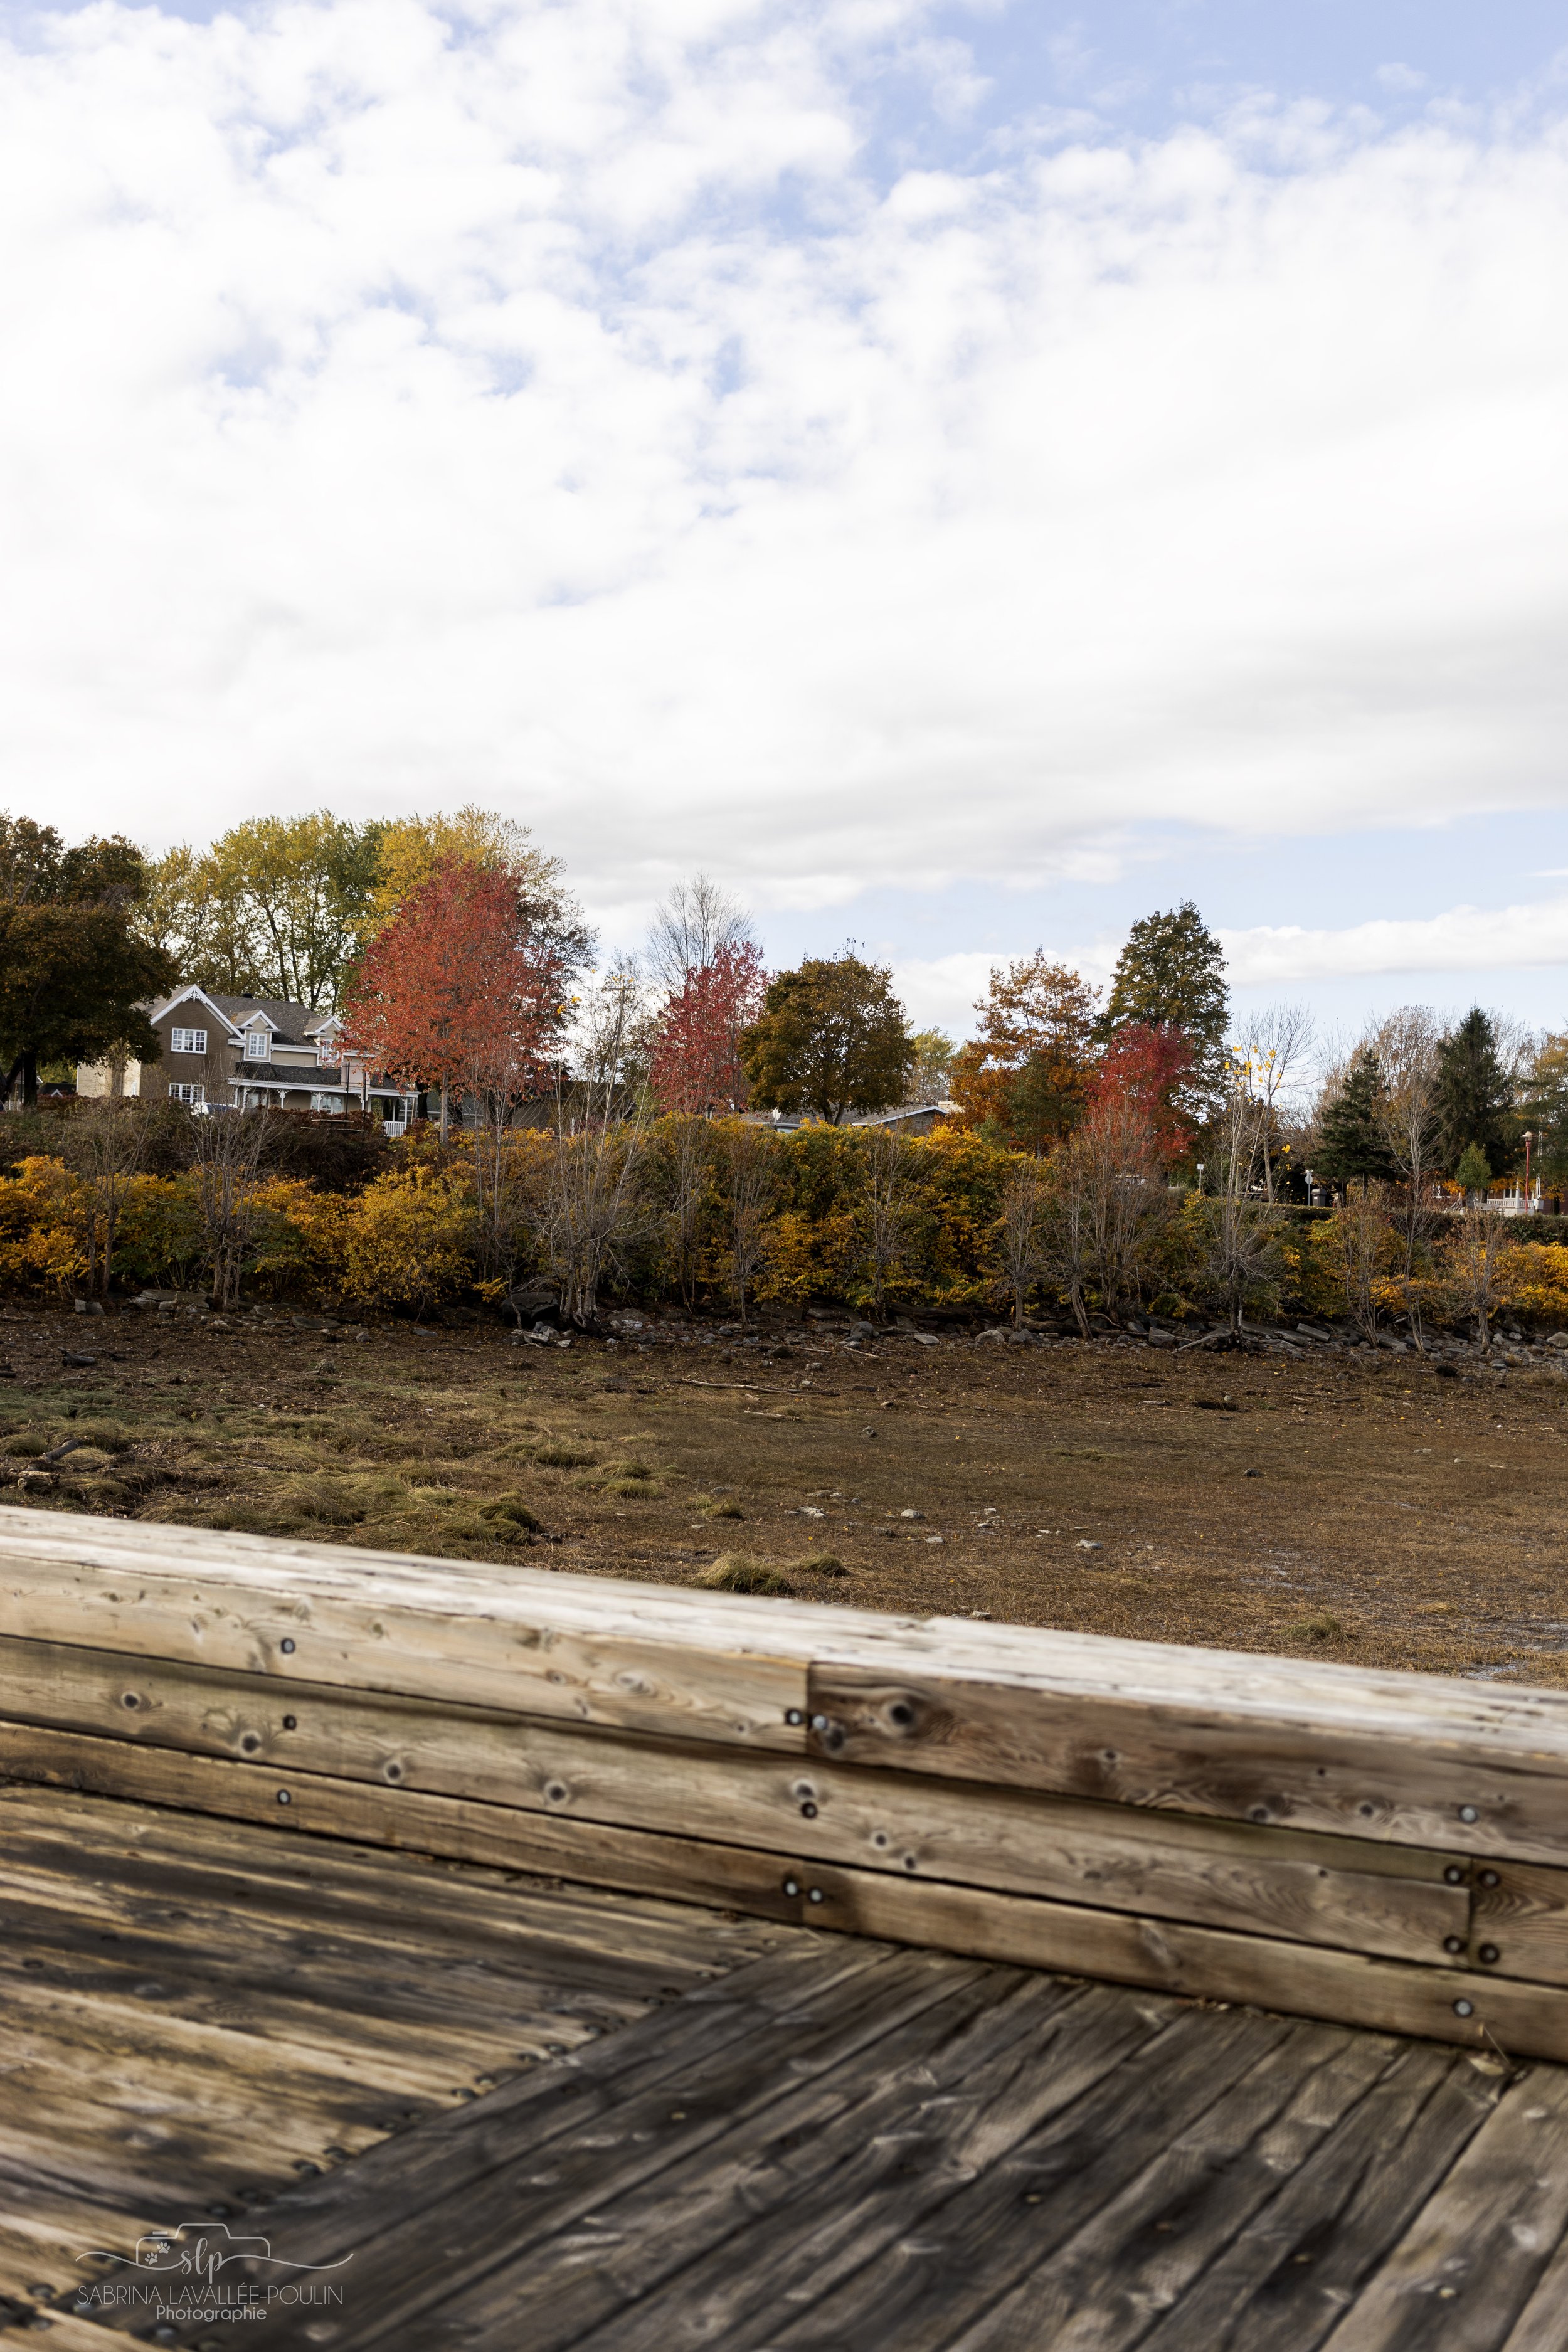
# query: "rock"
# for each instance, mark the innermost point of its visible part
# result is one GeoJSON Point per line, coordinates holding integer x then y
{"type": "Point", "coordinates": [923, 1338]}
{"type": "Point", "coordinates": [998, 1336]}
{"type": "Point", "coordinates": [87, 1306]}
{"type": "Point", "coordinates": [863, 1331]}
{"type": "Point", "coordinates": [812, 1511]}
{"type": "Point", "coordinates": [1085, 1544]}
{"type": "Point", "coordinates": [1022, 1340]}
{"type": "Point", "coordinates": [362, 1335]}
{"type": "Point", "coordinates": [1558, 1339]}
{"type": "Point", "coordinates": [70, 1356]}
{"type": "Point", "coordinates": [1252, 1473]}
{"type": "Point", "coordinates": [911, 1515]}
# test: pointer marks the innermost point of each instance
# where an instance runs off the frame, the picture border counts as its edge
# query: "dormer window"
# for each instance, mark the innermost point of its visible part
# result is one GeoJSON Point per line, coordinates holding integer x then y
{"type": "Point", "coordinates": [257, 1045]}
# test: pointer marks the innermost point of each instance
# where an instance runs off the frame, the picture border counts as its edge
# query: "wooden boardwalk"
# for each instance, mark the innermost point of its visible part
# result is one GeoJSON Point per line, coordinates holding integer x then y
{"type": "Point", "coordinates": [512, 2114]}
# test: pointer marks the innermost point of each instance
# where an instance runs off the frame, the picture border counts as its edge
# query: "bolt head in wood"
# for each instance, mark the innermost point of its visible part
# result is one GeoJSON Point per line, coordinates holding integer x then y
{"type": "Point", "coordinates": [1490, 1879]}
{"type": "Point", "coordinates": [1490, 1955]}
{"type": "Point", "coordinates": [793, 1714]}
{"type": "Point", "coordinates": [1452, 1943]}
{"type": "Point", "coordinates": [1469, 1813]}
{"type": "Point", "coordinates": [792, 1886]}
{"type": "Point", "coordinates": [1454, 1875]}
{"type": "Point", "coordinates": [1464, 2009]}
{"type": "Point", "coordinates": [287, 1646]}
{"type": "Point", "coordinates": [284, 1797]}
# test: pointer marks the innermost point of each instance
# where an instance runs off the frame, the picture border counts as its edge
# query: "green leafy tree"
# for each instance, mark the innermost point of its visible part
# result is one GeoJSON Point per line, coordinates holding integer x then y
{"type": "Point", "coordinates": [75, 978]}
{"type": "Point", "coordinates": [1171, 974]}
{"type": "Point", "coordinates": [1475, 1096]}
{"type": "Point", "coordinates": [1352, 1135]}
{"type": "Point", "coordinates": [832, 1039]}
{"type": "Point", "coordinates": [1545, 1107]}
{"type": "Point", "coordinates": [277, 906]}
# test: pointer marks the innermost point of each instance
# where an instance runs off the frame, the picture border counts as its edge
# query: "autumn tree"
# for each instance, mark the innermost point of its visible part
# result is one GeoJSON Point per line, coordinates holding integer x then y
{"type": "Point", "coordinates": [455, 991]}
{"type": "Point", "coordinates": [74, 977]}
{"type": "Point", "coordinates": [594, 1201]}
{"type": "Point", "coordinates": [279, 907]}
{"type": "Point", "coordinates": [931, 1072]}
{"type": "Point", "coordinates": [1029, 1074]}
{"type": "Point", "coordinates": [696, 1065]}
{"type": "Point", "coordinates": [411, 850]}
{"type": "Point", "coordinates": [1171, 975]}
{"type": "Point", "coordinates": [1475, 1094]}
{"type": "Point", "coordinates": [831, 1039]}
{"type": "Point", "coordinates": [1146, 1069]}
{"type": "Point", "coordinates": [1109, 1204]}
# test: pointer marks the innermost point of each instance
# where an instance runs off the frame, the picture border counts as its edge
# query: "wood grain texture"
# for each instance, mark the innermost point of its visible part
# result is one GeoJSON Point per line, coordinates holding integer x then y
{"type": "Point", "coordinates": [1398, 1784]}
{"type": "Point", "coordinates": [1358, 1896]}
{"type": "Point", "coordinates": [1470, 2263]}
{"type": "Point", "coordinates": [722, 1666]}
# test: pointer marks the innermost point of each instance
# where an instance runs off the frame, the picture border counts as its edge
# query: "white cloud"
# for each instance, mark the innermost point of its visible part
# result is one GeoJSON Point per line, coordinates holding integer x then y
{"type": "Point", "coordinates": [1465, 938]}
{"type": "Point", "coordinates": [545, 405]}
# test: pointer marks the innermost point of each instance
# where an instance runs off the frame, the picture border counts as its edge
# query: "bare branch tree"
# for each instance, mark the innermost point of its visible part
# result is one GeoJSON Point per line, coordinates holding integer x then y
{"type": "Point", "coordinates": [1241, 1233]}
{"type": "Point", "coordinates": [1273, 1048]}
{"type": "Point", "coordinates": [1023, 1234]}
{"type": "Point", "coordinates": [690, 927]}
{"type": "Point", "coordinates": [104, 1142]}
{"type": "Point", "coordinates": [592, 1198]}
{"type": "Point", "coordinates": [750, 1158]}
{"type": "Point", "coordinates": [225, 1167]}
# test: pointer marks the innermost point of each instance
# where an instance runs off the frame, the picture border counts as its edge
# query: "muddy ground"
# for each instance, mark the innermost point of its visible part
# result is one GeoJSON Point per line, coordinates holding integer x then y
{"type": "Point", "coordinates": [1372, 1511]}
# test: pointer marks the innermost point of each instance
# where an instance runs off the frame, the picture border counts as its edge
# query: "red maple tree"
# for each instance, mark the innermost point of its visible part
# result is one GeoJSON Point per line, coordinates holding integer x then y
{"type": "Point", "coordinates": [1144, 1066]}
{"type": "Point", "coordinates": [455, 991]}
{"type": "Point", "coordinates": [697, 1060]}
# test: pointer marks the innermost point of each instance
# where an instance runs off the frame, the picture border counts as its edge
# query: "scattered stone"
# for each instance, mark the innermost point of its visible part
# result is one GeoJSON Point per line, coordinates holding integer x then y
{"type": "Point", "coordinates": [1085, 1544]}
{"type": "Point", "coordinates": [70, 1356]}
{"type": "Point", "coordinates": [88, 1306]}
{"type": "Point", "coordinates": [812, 1511]}
{"type": "Point", "coordinates": [911, 1515]}
{"type": "Point", "coordinates": [1252, 1473]}
{"type": "Point", "coordinates": [996, 1336]}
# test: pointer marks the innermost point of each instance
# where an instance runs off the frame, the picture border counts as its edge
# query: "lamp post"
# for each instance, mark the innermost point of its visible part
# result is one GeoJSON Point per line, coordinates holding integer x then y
{"type": "Point", "coordinates": [1529, 1139]}
{"type": "Point", "coordinates": [1200, 1175]}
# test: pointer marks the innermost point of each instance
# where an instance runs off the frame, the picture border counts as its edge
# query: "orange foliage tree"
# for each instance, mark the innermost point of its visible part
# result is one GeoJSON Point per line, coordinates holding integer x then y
{"type": "Point", "coordinates": [458, 991]}
{"type": "Point", "coordinates": [1030, 1073]}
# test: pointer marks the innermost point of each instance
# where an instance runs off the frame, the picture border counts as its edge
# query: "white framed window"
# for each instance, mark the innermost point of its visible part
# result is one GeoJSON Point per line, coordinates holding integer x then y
{"type": "Point", "coordinates": [187, 1041]}
{"type": "Point", "coordinates": [257, 1045]}
{"type": "Point", "coordinates": [187, 1094]}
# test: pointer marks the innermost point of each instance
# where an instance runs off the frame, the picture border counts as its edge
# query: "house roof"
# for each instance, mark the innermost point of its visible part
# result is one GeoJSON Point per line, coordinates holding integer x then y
{"type": "Point", "coordinates": [291, 1024]}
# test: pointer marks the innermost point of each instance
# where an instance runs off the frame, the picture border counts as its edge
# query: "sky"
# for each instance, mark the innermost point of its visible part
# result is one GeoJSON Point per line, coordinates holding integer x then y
{"type": "Point", "coordinates": [963, 476]}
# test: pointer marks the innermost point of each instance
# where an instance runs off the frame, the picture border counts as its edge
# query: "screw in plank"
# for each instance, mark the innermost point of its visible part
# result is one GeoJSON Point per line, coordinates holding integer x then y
{"type": "Point", "coordinates": [814, 1895]}
{"type": "Point", "coordinates": [290, 1723]}
{"type": "Point", "coordinates": [1452, 1943]}
{"type": "Point", "coordinates": [284, 1797]}
{"type": "Point", "coordinates": [1490, 1879]}
{"type": "Point", "coordinates": [1490, 1954]}
{"type": "Point", "coordinates": [793, 1714]}
{"type": "Point", "coordinates": [1454, 1875]}
{"type": "Point", "coordinates": [819, 1723]}
{"type": "Point", "coordinates": [1469, 1813]}
{"type": "Point", "coordinates": [809, 1811]}
{"type": "Point", "coordinates": [1464, 2009]}
{"type": "Point", "coordinates": [287, 1646]}
{"type": "Point", "coordinates": [792, 1886]}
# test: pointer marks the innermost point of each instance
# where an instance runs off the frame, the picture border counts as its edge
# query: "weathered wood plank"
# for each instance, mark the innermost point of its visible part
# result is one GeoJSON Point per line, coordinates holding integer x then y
{"type": "Point", "coordinates": [1369, 1780]}
{"type": "Point", "coordinates": [712, 2249]}
{"type": "Point", "coordinates": [532, 2160]}
{"type": "Point", "coordinates": [1470, 2263]}
{"type": "Point", "coordinates": [999, 2223]}
{"type": "Point", "coordinates": [1144, 2247]}
{"type": "Point", "coordinates": [1302, 1979]}
{"type": "Point", "coordinates": [1519, 1920]}
{"type": "Point", "coordinates": [659, 1658]}
{"type": "Point", "coordinates": [1388, 1899]}
{"type": "Point", "coordinates": [1300, 2263]}
{"type": "Point", "coordinates": [1314, 1982]}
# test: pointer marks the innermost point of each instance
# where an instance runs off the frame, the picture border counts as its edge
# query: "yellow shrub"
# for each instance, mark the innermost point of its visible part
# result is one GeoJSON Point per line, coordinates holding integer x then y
{"type": "Point", "coordinates": [406, 1240]}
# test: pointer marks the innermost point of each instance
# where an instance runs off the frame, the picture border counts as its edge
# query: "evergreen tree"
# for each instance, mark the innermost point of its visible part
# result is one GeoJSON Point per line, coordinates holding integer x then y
{"type": "Point", "coordinates": [1473, 1170]}
{"type": "Point", "coordinates": [1475, 1101]}
{"type": "Point", "coordinates": [1353, 1138]}
{"type": "Point", "coordinates": [1171, 975]}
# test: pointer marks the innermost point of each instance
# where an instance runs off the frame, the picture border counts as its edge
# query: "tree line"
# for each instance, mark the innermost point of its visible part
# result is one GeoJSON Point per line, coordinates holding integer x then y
{"type": "Point", "coordinates": [460, 961]}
